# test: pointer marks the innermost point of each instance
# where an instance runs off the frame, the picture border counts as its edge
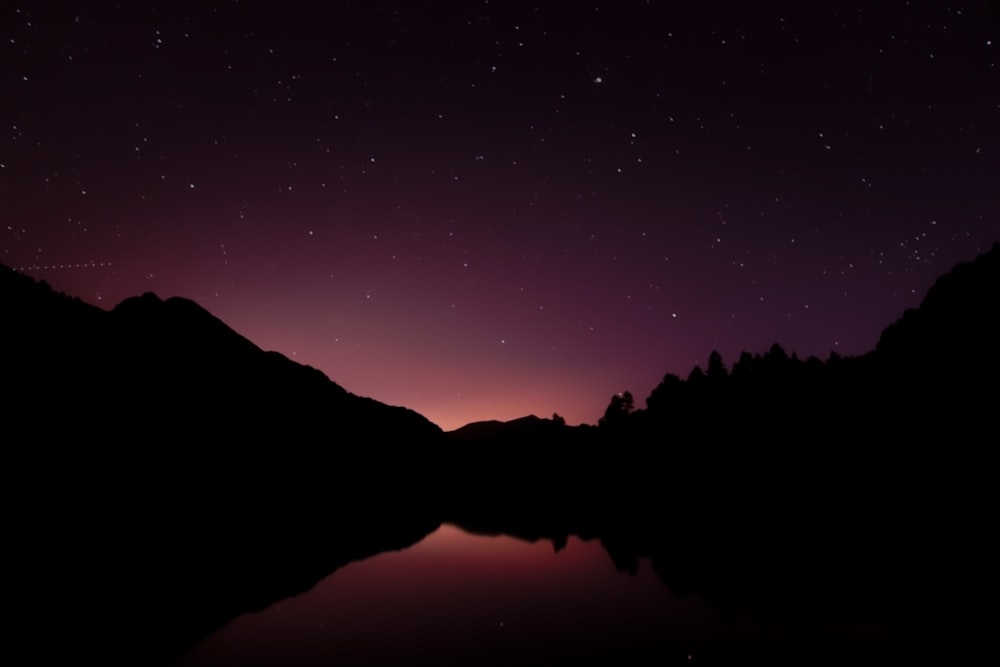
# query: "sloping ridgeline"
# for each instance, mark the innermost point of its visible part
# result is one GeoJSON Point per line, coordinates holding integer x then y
{"type": "Point", "coordinates": [798, 488]}
{"type": "Point", "coordinates": [164, 474]}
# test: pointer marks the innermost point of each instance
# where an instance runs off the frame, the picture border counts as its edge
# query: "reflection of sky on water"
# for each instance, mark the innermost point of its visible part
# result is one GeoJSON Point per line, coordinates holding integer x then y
{"type": "Point", "coordinates": [470, 599]}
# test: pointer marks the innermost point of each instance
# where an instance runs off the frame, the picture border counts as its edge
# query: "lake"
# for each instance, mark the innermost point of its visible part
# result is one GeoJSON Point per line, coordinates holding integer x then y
{"type": "Point", "coordinates": [464, 599]}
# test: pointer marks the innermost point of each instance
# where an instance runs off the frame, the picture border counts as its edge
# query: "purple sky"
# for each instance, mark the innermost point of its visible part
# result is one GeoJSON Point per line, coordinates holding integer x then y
{"type": "Point", "coordinates": [487, 209]}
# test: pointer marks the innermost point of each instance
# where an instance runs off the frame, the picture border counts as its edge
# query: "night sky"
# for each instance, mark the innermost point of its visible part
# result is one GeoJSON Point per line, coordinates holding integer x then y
{"type": "Point", "coordinates": [488, 209]}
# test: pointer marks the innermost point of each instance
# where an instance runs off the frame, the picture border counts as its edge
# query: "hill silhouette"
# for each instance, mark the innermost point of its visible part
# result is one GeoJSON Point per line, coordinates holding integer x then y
{"type": "Point", "coordinates": [171, 474]}
{"type": "Point", "coordinates": [173, 367]}
{"type": "Point", "coordinates": [802, 488]}
{"type": "Point", "coordinates": [168, 472]}
{"type": "Point", "coordinates": [925, 376]}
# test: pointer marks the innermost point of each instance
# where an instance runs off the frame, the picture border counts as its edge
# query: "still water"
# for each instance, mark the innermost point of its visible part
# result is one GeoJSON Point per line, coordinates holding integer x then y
{"type": "Point", "coordinates": [457, 598]}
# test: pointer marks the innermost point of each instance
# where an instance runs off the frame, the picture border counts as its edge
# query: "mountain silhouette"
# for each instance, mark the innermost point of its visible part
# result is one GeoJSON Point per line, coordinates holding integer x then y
{"type": "Point", "coordinates": [957, 315]}
{"type": "Point", "coordinates": [941, 359]}
{"type": "Point", "coordinates": [530, 428]}
{"type": "Point", "coordinates": [843, 488]}
{"type": "Point", "coordinates": [174, 367]}
{"type": "Point", "coordinates": [167, 474]}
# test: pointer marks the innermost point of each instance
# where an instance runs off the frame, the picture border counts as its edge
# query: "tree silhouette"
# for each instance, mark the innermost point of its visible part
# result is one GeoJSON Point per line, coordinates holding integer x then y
{"type": "Point", "coordinates": [776, 356]}
{"type": "Point", "coordinates": [665, 394]}
{"type": "Point", "coordinates": [716, 369]}
{"type": "Point", "coordinates": [696, 378]}
{"type": "Point", "coordinates": [618, 410]}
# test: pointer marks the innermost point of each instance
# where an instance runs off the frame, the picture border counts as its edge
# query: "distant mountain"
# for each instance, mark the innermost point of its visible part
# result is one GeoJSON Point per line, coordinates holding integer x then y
{"type": "Point", "coordinates": [530, 427]}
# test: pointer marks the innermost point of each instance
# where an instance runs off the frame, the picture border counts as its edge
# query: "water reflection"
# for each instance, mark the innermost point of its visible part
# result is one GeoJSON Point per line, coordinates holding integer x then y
{"type": "Point", "coordinates": [458, 598]}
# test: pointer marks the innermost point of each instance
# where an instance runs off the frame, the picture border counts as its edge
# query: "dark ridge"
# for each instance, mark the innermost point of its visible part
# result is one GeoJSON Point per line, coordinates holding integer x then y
{"type": "Point", "coordinates": [958, 315]}
{"type": "Point", "coordinates": [529, 428]}
{"type": "Point", "coordinates": [845, 488]}
{"type": "Point", "coordinates": [168, 472]}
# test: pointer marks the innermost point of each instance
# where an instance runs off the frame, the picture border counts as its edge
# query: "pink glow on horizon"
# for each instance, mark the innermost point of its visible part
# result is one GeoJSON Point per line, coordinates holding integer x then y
{"type": "Point", "coordinates": [483, 231]}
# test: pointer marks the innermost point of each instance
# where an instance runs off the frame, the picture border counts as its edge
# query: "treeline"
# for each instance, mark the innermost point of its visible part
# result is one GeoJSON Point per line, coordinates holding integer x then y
{"type": "Point", "coordinates": [774, 392]}
{"type": "Point", "coordinates": [932, 374]}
